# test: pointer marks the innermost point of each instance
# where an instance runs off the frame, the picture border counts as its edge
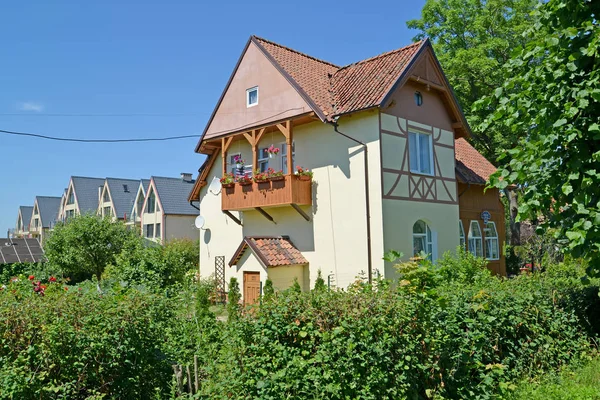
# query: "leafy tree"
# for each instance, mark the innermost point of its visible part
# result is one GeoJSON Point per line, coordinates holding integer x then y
{"type": "Point", "coordinates": [473, 39]}
{"type": "Point", "coordinates": [320, 283]}
{"type": "Point", "coordinates": [234, 297]}
{"type": "Point", "coordinates": [86, 245]}
{"type": "Point", "coordinates": [268, 290]}
{"type": "Point", "coordinates": [552, 92]}
{"type": "Point", "coordinates": [296, 286]}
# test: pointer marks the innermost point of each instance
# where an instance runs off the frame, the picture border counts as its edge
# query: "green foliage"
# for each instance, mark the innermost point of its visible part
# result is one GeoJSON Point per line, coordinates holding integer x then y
{"type": "Point", "coordinates": [319, 283]}
{"type": "Point", "coordinates": [233, 299]}
{"type": "Point", "coordinates": [204, 290]}
{"type": "Point", "coordinates": [156, 266]}
{"type": "Point", "coordinates": [78, 344]}
{"type": "Point", "coordinates": [581, 383]}
{"type": "Point", "coordinates": [296, 286]}
{"type": "Point", "coordinates": [551, 98]}
{"type": "Point", "coordinates": [473, 39]}
{"type": "Point", "coordinates": [86, 245]}
{"type": "Point", "coordinates": [268, 290]}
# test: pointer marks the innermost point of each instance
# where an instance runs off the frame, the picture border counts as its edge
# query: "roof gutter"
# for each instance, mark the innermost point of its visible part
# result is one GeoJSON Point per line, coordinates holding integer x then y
{"type": "Point", "coordinates": [367, 199]}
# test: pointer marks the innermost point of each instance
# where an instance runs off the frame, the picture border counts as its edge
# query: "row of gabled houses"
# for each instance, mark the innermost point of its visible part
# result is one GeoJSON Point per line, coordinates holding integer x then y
{"type": "Point", "coordinates": [158, 206]}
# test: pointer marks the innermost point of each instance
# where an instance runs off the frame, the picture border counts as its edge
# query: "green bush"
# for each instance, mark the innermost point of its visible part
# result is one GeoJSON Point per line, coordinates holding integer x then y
{"type": "Point", "coordinates": [74, 343]}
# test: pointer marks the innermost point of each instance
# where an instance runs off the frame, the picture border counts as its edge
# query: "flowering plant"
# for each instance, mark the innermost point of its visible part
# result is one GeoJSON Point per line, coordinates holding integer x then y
{"type": "Point", "coordinates": [272, 173]}
{"type": "Point", "coordinates": [227, 179]}
{"type": "Point", "coordinates": [237, 159]}
{"type": "Point", "coordinates": [303, 172]}
{"type": "Point", "coordinates": [260, 176]}
{"type": "Point", "coordinates": [243, 179]}
{"type": "Point", "coordinates": [272, 150]}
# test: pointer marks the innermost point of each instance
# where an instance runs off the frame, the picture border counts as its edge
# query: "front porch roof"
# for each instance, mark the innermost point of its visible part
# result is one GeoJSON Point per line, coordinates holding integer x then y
{"type": "Point", "coordinates": [271, 251]}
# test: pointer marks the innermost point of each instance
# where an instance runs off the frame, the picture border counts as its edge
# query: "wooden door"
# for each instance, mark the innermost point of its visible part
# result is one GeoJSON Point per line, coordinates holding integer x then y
{"type": "Point", "coordinates": [251, 287]}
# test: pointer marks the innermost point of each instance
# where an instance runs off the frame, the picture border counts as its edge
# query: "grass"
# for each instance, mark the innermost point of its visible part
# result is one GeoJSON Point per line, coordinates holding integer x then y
{"type": "Point", "coordinates": [581, 383]}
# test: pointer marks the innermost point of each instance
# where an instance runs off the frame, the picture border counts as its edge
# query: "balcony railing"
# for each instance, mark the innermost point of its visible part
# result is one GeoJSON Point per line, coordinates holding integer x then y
{"type": "Point", "coordinates": [289, 191]}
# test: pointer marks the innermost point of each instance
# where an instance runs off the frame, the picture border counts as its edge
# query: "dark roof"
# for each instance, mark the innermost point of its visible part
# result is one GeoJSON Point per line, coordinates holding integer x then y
{"type": "Point", "coordinates": [122, 193]}
{"type": "Point", "coordinates": [271, 251]}
{"type": "Point", "coordinates": [48, 208]}
{"type": "Point", "coordinates": [86, 192]}
{"type": "Point", "coordinates": [172, 194]}
{"type": "Point", "coordinates": [471, 166]}
{"type": "Point", "coordinates": [145, 184]}
{"type": "Point", "coordinates": [26, 212]}
{"type": "Point", "coordinates": [20, 251]}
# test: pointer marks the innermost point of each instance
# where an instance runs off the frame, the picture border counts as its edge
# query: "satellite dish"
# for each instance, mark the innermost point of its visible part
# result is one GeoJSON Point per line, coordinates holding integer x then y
{"type": "Point", "coordinates": [199, 222]}
{"type": "Point", "coordinates": [215, 186]}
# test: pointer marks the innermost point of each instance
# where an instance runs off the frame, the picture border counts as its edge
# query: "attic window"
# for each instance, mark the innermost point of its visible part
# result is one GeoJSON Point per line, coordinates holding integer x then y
{"type": "Point", "coordinates": [252, 96]}
{"type": "Point", "coordinates": [125, 188]}
{"type": "Point", "coordinates": [418, 98]}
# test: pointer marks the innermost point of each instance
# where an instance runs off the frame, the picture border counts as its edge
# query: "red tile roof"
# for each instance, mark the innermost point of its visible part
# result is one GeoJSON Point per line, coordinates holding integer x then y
{"type": "Point", "coordinates": [471, 166]}
{"type": "Point", "coordinates": [336, 90]}
{"type": "Point", "coordinates": [272, 251]}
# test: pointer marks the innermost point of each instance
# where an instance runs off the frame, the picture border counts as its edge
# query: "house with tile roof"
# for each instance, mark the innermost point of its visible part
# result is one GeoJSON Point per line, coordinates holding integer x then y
{"type": "Point", "coordinates": [166, 213]}
{"type": "Point", "coordinates": [117, 197]}
{"type": "Point", "coordinates": [81, 197]}
{"type": "Point", "coordinates": [387, 144]}
{"type": "Point", "coordinates": [134, 217]}
{"type": "Point", "coordinates": [44, 216]}
{"type": "Point", "coordinates": [23, 219]}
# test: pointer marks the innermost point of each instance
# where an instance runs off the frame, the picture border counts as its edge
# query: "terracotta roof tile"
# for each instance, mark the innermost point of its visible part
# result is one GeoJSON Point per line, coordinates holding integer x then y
{"type": "Point", "coordinates": [272, 251]}
{"type": "Point", "coordinates": [471, 166]}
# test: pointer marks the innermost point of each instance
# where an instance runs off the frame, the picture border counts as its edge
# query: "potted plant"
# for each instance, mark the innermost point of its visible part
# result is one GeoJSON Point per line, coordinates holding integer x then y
{"type": "Point", "coordinates": [275, 175]}
{"type": "Point", "coordinates": [244, 180]}
{"type": "Point", "coordinates": [260, 177]}
{"type": "Point", "coordinates": [228, 180]}
{"type": "Point", "coordinates": [273, 151]}
{"type": "Point", "coordinates": [303, 174]}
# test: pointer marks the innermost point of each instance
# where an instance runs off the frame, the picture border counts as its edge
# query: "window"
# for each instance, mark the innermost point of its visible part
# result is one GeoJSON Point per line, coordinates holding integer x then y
{"type": "Point", "coordinates": [252, 96]}
{"type": "Point", "coordinates": [475, 240]}
{"type": "Point", "coordinates": [149, 230]}
{"type": "Point", "coordinates": [418, 98]}
{"type": "Point", "coordinates": [107, 211]}
{"type": "Point", "coordinates": [71, 198]}
{"type": "Point", "coordinates": [422, 239]}
{"type": "Point", "coordinates": [35, 210]}
{"type": "Point", "coordinates": [157, 231]}
{"type": "Point", "coordinates": [263, 160]}
{"type": "Point", "coordinates": [106, 198]}
{"type": "Point", "coordinates": [140, 203]}
{"type": "Point", "coordinates": [284, 157]}
{"type": "Point", "coordinates": [461, 234]}
{"type": "Point", "coordinates": [151, 204]}
{"type": "Point", "coordinates": [420, 153]}
{"type": "Point", "coordinates": [492, 251]}
{"type": "Point", "coordinates": [234, 166]}
{"type": "Point", "coordinates": [36, 223]}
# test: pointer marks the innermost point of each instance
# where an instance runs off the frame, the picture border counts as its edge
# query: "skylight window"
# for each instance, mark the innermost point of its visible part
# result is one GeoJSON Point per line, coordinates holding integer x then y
{"type": "Point", "coordinates": [252, 96]}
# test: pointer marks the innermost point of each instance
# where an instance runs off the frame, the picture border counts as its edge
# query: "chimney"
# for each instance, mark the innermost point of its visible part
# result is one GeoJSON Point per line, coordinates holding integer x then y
{"type": "Point", "coordinates": [186, 177]}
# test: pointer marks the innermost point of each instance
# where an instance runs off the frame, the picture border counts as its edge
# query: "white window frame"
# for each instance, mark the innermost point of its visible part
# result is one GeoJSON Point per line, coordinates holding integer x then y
{"type": "Point", "coordinates": [248, 91]}
{"type": "Point", "coordinates": [146, 227]}
{"type": "Point", "coordinates": [473, 240]}
{"type": "Point", "coordinates": [491, 239]}
{"type": "Point", "coordinates": [263, 159]}
{"type": "Point", "coordinates": [461, 235]}
{"type": "Point", "coordinates": [429, 239]}
{"type": "Point", "coordinates": [157, 230]}
{"type": "Point", "coordinates": [232, 165]}
{"type": "Point", "coordinates": [283, 147]}
{"type": "Point", "coordinates": [419, 169]}
{"type": "Point", "coordinates": [151, 197]}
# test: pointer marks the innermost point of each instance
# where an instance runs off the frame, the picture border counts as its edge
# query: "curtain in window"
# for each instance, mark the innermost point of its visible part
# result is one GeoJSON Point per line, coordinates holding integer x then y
{"type": "Point", "coordinates": [425, 154]}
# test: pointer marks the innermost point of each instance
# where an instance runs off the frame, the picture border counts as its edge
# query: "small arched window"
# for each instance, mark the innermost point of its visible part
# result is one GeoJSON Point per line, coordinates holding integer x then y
{"type": "Point", "coordinates": [475, 239]}
{"type": "Point", "coordinates": [461, 234]}
{"type": "Point", "coordinates": [422, 239]}
{"type": "Point", "coordinates": [492, 250]}
{"type": "Point", "coordinates": [418, 98]}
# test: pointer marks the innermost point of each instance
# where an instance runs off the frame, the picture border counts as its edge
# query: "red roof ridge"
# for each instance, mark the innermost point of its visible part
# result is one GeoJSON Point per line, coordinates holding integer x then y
{"type": "Point", "coordinates": [387, 53]}
{"type": "Point", "coordinates": [295, 51]}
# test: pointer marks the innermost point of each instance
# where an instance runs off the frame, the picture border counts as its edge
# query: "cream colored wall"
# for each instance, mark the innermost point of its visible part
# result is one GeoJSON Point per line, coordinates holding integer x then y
{"type": "Point", "coordinates": [153, 218]}
{"type": "Point", "coordinates": [73, 206]}
{"type": "Point", "coordinates": [277, 99]}
{"type": "Point", "coordinates": [180, 227]}
{"type": "Point", "coordinates": [283, 277]}
{"type": "Point", "coordinates": [335, 238]}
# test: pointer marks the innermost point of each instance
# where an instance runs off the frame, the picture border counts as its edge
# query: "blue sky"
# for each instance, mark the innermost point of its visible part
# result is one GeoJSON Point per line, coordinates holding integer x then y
{"type": "Point", "coordinates": [166, 59]}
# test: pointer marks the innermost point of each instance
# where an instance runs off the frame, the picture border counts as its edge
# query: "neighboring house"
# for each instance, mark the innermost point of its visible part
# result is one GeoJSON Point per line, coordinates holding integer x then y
{"type": "Point", "coordinates": [44, 216]}
{"type": "Point", "coordinates": [408, 192]}
{"type": "Point", "coordinates": [117, 197]}
{"type": "Point", "coordinates": [81, 197]}
{"type": "Point", "coordinates": [22, 227]}
{"type": "Point", "coordinates": [13, 251]}
{"type": "Point", "coordinates": [167, 214]}
{"type": "Point", "coordinates": [135, 213]}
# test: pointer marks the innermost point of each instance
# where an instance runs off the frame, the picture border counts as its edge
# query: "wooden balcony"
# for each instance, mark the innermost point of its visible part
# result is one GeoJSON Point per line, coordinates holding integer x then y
{"type": "Point", "coordinates": [288, 192]}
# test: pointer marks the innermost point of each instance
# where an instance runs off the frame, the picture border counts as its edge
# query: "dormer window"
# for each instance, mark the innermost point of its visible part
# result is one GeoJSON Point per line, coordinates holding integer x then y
{"type": "Point", "coordinates": [252, 96]}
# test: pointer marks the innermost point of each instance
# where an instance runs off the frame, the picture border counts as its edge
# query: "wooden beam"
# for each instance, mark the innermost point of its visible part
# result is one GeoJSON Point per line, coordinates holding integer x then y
{"type": "Point", "coordinates": [284, 129]}
{"type": "Point", "coordinates": [265, 214]}
{"type": "Point", "coordinates": [230, 215]}
{"type": "Point", "coordinates": [300, 211]}
{"type": "Point", "coordinates": [289, 139]}
{"type": "Point", "coordinates": [457, 125]}
{"type": "Point", "coordinates": [259, 135]}
{"type": "Point", "coordinates": [225, 143]}
{"type": "Point", "coordinates": [427, 82]}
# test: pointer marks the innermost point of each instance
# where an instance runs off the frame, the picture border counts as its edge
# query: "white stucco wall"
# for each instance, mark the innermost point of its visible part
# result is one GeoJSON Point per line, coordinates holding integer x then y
{"type": "Point", "coordinates": [335, 238]}
{"type": "Point", "coordinates": [180, 227]}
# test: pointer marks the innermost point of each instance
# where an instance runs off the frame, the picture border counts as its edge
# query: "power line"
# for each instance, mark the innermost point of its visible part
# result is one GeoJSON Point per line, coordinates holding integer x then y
{"type": "Point", "coordinates": [63, 139]}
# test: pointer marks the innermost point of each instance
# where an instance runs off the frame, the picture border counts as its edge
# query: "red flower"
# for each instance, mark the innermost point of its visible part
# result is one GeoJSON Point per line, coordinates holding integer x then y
{"type": "Point", "coordinates": [43, 287]}
{"type": "Point", "coordinates": [66, 288]}
{"type": "Point", "coordinates": [52, 279]}
{"type": "Point", "coordinates": [31, 277]}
